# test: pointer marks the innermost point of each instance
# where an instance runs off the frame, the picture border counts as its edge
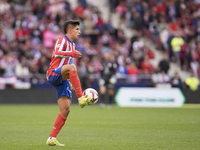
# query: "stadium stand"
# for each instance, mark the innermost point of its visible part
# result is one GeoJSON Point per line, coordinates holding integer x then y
{"type": "Point", "coordinates": [29, 29]}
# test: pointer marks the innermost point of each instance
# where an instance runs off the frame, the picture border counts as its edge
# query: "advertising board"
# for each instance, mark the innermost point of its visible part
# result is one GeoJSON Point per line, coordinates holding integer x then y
{"type": "Point", "coordinates": [149, 97]}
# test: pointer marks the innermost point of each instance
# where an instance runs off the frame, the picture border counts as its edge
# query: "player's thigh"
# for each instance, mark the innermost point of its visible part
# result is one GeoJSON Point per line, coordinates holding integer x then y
{"type": "Point", "coordinates": [66, 69]}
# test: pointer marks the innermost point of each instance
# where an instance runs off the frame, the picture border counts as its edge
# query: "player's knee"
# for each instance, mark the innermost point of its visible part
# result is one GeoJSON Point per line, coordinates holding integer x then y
{"type": "Point", "coordinates": [73, 67]}
{"type": "Point", "coordinates": [65, 111]}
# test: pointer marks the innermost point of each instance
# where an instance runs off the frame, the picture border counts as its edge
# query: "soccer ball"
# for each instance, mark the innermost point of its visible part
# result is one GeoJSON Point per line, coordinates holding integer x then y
{"type": "Point", "coordinates": [90, 92]}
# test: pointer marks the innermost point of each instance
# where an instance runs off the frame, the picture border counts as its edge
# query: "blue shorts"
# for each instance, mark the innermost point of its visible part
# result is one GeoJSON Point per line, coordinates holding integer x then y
{"type": "Point", "coordinates": [63, 88]}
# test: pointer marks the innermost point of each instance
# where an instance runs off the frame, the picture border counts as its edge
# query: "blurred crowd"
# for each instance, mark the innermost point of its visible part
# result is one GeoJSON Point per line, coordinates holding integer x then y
{"type": "Point", "coordinates": [29, 28]}
{"type": "Point", "coordinates": [173, 25]}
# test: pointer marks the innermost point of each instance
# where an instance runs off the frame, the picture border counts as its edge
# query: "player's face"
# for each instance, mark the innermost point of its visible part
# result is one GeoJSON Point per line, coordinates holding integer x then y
{"type": "Point", "coordinates": [76, 32]}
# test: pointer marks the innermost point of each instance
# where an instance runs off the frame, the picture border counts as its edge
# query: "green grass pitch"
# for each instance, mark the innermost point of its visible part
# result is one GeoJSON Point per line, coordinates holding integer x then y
{"type": "Point", "coordinates": [27, 127]}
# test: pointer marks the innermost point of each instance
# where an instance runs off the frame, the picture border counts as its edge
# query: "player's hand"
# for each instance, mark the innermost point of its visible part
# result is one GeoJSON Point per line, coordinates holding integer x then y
{"type": "Point", "coordinates": [76, 54]}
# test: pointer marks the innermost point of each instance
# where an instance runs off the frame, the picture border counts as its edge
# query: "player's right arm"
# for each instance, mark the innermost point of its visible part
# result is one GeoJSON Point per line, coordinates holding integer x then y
{"type": "Point", "coordinates": [63, 49]}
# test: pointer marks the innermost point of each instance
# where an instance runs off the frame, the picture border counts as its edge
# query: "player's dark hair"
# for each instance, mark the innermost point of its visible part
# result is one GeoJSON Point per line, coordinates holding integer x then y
{"type": "Point", "coordinates": [70, 24]}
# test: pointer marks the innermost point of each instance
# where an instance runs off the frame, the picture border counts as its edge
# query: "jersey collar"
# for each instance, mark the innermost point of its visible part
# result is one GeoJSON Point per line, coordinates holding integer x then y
{"type": "Point", "coordinates": [68, 39]}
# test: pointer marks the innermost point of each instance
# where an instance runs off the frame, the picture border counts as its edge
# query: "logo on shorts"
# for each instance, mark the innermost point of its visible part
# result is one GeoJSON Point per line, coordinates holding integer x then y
{"type": "Point", "coordinates": [68, 89]}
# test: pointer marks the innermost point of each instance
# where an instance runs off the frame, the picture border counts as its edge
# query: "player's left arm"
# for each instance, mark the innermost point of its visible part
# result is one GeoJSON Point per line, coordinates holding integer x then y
{"type": "Point", "coordinates": [62, 50]}
{"type": "Point", "coordinates": [74, 53]}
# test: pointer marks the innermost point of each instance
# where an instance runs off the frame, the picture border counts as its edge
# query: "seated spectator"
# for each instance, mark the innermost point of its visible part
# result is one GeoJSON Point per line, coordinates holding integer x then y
{"type": "Point", "coordinates": [137, 19]}
{"type": "Point", "coordinates": [160, 78]}
{"type": "Point", "coordinates": [8, 63]}
{"type": "Point", "coordinates": [132, 71]}
{"type": "Point", "coordinates": [146, 66]}
{"type": "Point", "coordinates": [83, 3]}
{"type": "Point", "coordinates": [138, 47]}
{"type": "Point", "coordinates": [164, 64]}
{"type": "Point", "coordinates": [81, 45]}
{"type": "Point", "coordinates": [145, 21]}
{"type": "Point", "coordinates": [22, 71]}
{"type": "Point", "coordinates": [198, 32]}
{"type": "Point", "coordinates": [160, 7]}
{"type": "Point", "coordinates": [174, 25]}
{"type": "Point", "coordinates": [43, 65]}
{"type": "Point", "coordinates": [153, 15]}
{"type": "Point", "coordinates": [48, 38]}
{"type": "Point", "coordinates": [88, 25]}
{"type": "Point", "coordinates": [106, 40]}
{"type": "Point", "coordinates": [36, 36]}
{"type": "Point", "coordinates": [3, 37]}
{"type": "Point", "coordinates": [67, 6]}
{"type": "Point", "coordinates": [108, 25]}
{"type": "Point", "coordinates": [171, 11]}
{"type": "Point", "coordinates": [58, 33]}
{"type": "Point", "coordinates": [120, 35]}
{"type": "Point", "coordinates": [100, 22]}
{"type": "Point", "coordinates": [121, 73]}
{"type": "Point", "coordinates": [4, 7]}
{"type": "Point", "coordinates": [91, 52]}
{"type": "Point", "coordinates": [96, 63]}
{"type": "Point", "coordinates": [79, 9]}
{"type": "Point", "coordinates": [176, 80]}
{"type": "Point", "coordinates": [54, 8]}
{"type": "Point", "coordinates": [164, 33]}
{"type": "Point", "coordinates": [130, 17]}
{"type": "Point", "coordinates": [121, 9]}
{"type": "Point", "coordinates": [21, 33]}
{"type": "Point", "coordinates": [9, 32]}
{"type": "Point", "coordinates": [137, 59]}
{"type": "Point", "coordinates": [39, 8]}
{"type": "Point", "coordinates": [154, 29]}
{"type": "Point", "coordinates": [90, 29]}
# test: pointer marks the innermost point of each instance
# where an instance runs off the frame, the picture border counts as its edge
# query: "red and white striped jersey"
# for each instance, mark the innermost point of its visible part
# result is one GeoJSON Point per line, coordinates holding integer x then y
{"type": "Point", "coordinates": [61, 53]}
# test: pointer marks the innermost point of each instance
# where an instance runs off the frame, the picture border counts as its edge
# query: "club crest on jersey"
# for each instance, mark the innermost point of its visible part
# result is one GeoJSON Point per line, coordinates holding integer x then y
{"type": "Point", "coordinates": [58, 45]}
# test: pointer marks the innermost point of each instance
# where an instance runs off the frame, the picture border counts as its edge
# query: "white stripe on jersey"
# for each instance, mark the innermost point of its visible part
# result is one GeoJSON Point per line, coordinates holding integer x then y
{"type": "Point", "coordinates": [70, 60]}
{"type": "Point", "coordinates": [62, 44]}
{"type": "Point", "coordinates": [56, 45]}
{"type": "Point", "coordinates": [67, 47]}
{"type": "Point", "coordinates": [71, 47]}
{"type": "Point", "coordinates": [61, 62]}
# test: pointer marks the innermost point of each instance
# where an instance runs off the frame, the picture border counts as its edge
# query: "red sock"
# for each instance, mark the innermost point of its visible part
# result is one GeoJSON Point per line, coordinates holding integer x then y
{"type": "Point", "coordinates": [76, 83]}
{"type": "Point", "coordinates": [60, 121]}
